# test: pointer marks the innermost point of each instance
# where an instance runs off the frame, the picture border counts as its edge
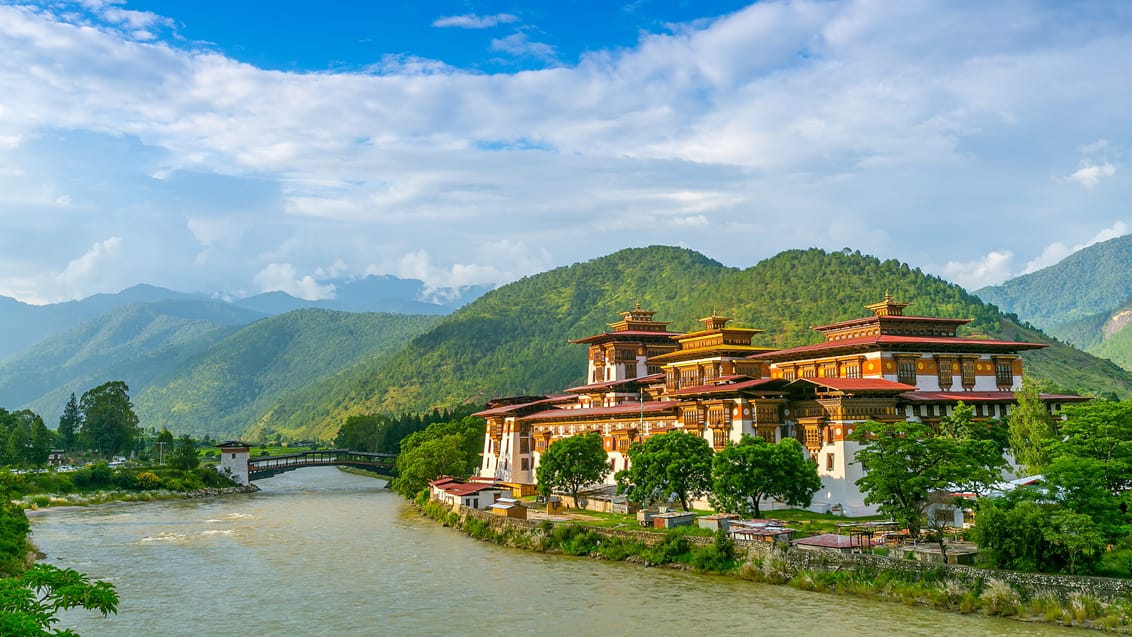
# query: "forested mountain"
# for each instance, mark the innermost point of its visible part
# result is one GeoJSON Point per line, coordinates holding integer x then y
{"type": "Point", "coordinates": [515, 339]}
{"type": "Point", "coordinates": [1091, 281]}
{"type": "Point", "coordinates": [24, 325]}
{"type": "Point", "coordinates": [225, 387]}
{"type": "Point", "coordinates": [135, 343]}
{"type": "Point", "coordinates": [1084, 300]}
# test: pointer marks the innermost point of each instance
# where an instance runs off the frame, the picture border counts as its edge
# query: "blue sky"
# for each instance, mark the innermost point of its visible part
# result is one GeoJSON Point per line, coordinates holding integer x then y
{"type": "Point", "coordinates": [241, 147]}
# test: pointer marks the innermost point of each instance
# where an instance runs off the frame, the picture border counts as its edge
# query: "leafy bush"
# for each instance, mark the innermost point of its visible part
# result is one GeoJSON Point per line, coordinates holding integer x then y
{"type": "Point", "coordinates": [147, 480]}
{"type": "Point", "coordinates": [673, 548]}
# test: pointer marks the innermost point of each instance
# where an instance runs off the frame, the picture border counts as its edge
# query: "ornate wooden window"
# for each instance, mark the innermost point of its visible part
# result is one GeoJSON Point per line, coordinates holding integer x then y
{"type": "Point", "coordinates": [813, 437]}
{"type": "Point", "coordinates": [906, 371]}
{"type": "Point", "coordinates": [851, 369]}
{"type": "Point", "coordinates": [788, 373]}
{"type": "Point", "coordinates": [690, 416]}
{"type": "Point", "coordinates": [945, 378]}
{"type": "Point", "coordinates": [719, 438]}
{"type": "Point", "coordinates": [829, 370]}
{"type": "Point", "coordinates": [1004, 374]}
{"type": "Point", "coordinates": [829, 462]}
{"type": "Point", "coordinates": [967, 368]}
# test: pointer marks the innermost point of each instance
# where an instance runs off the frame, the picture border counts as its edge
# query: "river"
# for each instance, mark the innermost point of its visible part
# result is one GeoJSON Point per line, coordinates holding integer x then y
{"type": "Point", "coordinates": [323, 552]}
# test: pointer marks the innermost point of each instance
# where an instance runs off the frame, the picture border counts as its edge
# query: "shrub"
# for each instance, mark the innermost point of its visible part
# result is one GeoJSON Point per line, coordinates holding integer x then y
{"type": "Point", "coordinates": [999, 598]}
{"type": "Point", "coordinates": [673, 548]}
{"type": "Point", "coordinates": [776, 569]}
{"type": "Point", "coordinates": [719, 556]}
{"type": "Point", "coordinates": [147, 480]}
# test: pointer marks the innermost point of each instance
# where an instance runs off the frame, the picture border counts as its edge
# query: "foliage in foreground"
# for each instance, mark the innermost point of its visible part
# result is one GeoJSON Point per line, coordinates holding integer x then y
{"type": "Point", "coordinates": [449, 448]}
{"type": "Point", "coordinates": [29, 601]}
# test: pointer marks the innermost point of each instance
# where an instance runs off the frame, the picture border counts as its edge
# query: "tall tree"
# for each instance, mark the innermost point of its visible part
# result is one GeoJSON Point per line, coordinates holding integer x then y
{"type": "Point", "coordinates": [572, 463]}
{"type": "Point", "coordinates": [163, 446]}
{"type": "Point", "coordinates": [905, 465]}
{"type": "Point", "coordinates": [186, 456]}
{"type": "Point", "coordinates": [109, 423]}
{"type": "Point", "coordinates": [744, 473]}
{"type": "Point", "coordinates": [1100, 430]}
{"type": "Point", "coordinates": [1031, 428]}
{"type": "Point", "coordinates": [70, 423]}
{"type": "Point", "coordinates": [42, 439]}
{"type": "Point", "coordinates": [363, 433]}
{"type": "Point", "coordinates": [442, 448]}
{"type": "Point", "coordinates": [676, 463]}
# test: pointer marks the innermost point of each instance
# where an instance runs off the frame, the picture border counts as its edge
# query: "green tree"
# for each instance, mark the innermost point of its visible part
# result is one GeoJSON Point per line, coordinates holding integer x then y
{"type": "Point", "coordinates": [1078, 537]}
{"type": "Point", "coordinates": [163, 446]}
{"type": "Point", "coordinates": [40, 443]}
{"type": "Point", "coordinates": [1080, 485]}
{"type": "Point", "coordinates": [362, 433]}
{"type": "Point", "coordinates": [109, 423]}
{"type": "Point", "coordinates": [572, 463]}
{"type": "Point", "coordinates": [677, 463]}
{"type": "Point", "coordinates": [905, 465]}
{"type": "Point", "coordinates": [29, 601]}
{"type": "Point", "coordinates": [70, 423]}
{"type": "Point", "coordinates": [185, 457]}
{"type": "Point", "coordinates": [16, 448]}
{"type": "Point", "coordinates": [1031, 428]}
{"type": "Point", "coordinates": [1100, 430]}
{"type": "Point", "coordinates": [442, 448]}
{"type": "Point", "coordinates": [753, 470]}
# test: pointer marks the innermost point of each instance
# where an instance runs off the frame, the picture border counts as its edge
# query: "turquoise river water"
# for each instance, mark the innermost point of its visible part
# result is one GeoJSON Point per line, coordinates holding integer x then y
{"type": "Point", "coordinates": [322, 552]}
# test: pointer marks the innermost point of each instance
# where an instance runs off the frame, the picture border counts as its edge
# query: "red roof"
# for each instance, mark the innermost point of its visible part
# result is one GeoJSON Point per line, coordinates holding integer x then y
{"type": "Point", "coordinates": [858, 384]}
{"type": "Point", "coordinates": [892, 319]}
{"type": "Point", "coordinates": [603, 335]}
{"type": "Point", "coordinates": [470, 488]}
{"type": "Point", "coordinates": [613, 383]}
{"type": "Point", "coordinates": [980, 397]}
{"type": "Point", "coordinates": [656, 407]}
{"type": "Point", "coordinates": [868, 342]}
{"type": "Point", "coordinates": [507, 409]}
{"type": "Point", "coordinates": [442, 480]}
{"type": "Point", "coordinates": [724, 387]}
{"type": "Point", "coordinates": [831, 541]}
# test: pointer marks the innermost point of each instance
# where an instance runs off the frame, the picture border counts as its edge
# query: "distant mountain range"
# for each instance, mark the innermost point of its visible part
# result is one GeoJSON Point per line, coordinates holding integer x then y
{"type": "Point", "coordinates": [515, 339]}
{"type": "Point", "coordinates": [25, 325]}
{"type": "Point", "coordinates": [276, 364]}
{"type": "Point", "coordinates": [1084, 300]}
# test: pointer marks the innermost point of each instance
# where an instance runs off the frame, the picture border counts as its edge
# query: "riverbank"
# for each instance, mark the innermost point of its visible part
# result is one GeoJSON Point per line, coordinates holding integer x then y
{"type": "Point", "coordinates": [1093, 603]}
{"type": "Point", "coordinates": [34, 502]}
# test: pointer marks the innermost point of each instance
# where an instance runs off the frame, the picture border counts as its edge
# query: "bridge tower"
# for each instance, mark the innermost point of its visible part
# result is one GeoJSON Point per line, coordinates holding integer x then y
{"type": "Point", "coordinates": [234, 459]}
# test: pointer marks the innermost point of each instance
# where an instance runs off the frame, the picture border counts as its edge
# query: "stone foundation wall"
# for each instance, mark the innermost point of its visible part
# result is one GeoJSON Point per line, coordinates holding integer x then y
{"type": "Point", "coordinates": [1029, 583]}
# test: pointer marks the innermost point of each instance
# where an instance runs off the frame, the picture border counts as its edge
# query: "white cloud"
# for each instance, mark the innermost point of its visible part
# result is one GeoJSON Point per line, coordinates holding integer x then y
{"type": "Point", "coordinates": [1094, 147]}
{"type": "Point", "coordinates": [473, 21]}
{"type": "Point", "coordinates": [1057, 250]}
{"type": "Point", "coordinates": [86, 266]}
{"type": "Point", "coordinates": [283, 277]}
{"type": "Point", "coordinates": [1089, 175]}
{"type": "Point", "coordinates": [907, 131]}
{"type": "Point", "coordinates": [991, 269]}
{"type": "Point", "coordinates": [519, 44]}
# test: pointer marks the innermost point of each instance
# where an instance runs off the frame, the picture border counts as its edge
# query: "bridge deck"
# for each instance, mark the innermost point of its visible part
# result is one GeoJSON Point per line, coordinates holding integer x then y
{"type": "Point", "coordinates": [266, 466]}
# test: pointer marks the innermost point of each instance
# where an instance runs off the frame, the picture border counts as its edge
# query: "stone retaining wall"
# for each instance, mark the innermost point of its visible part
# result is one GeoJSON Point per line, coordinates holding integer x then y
{"type": "Point", "coordinates": [1030, 583]}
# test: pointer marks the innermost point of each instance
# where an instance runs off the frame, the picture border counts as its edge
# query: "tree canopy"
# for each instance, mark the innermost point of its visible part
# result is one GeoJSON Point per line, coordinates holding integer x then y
{"type": "Point", "coordinates": [448, 448]}
{"type": "Point", "coordinates": [753, 470]}
{"type": "Point", "coordinates": [674, 463]}
{"type": "Point", "coordinates": [572, 463]}
{"type": "Point", "coordinates": [906, 464]}
{"type": "Point", "coordinates": [110, 425]}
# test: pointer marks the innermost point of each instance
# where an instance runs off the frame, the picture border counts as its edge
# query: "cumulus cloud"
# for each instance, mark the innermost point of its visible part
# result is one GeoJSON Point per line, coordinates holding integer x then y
{"type": "Point", "coordinates": [1089, 175]}
{"type": "Point", "coordinates": [473, 21]}
{"type": "Point", "coordinates": [283, 277]}
{"type": "Point", "coordinates": [991, 269]}
{"type": "Point", "coordinates": [785, 124]}
{"type": "Point", "coordinates": [520, 44]}
{"type": "Point", "coordinates": [1057, 250]}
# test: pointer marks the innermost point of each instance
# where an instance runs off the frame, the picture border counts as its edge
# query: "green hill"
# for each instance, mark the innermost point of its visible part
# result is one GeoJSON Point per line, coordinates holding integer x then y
{"type": "Point", "coordinates": [223, 388]}
{"type": "Point", "coordinates": [515, 339]}
{"type": "Point", "coordinates": [135, 343]}
{"type": "Point", "coordinates": [1091, 281]}
{"type": "Point", "coordinates": [1083, 300]}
